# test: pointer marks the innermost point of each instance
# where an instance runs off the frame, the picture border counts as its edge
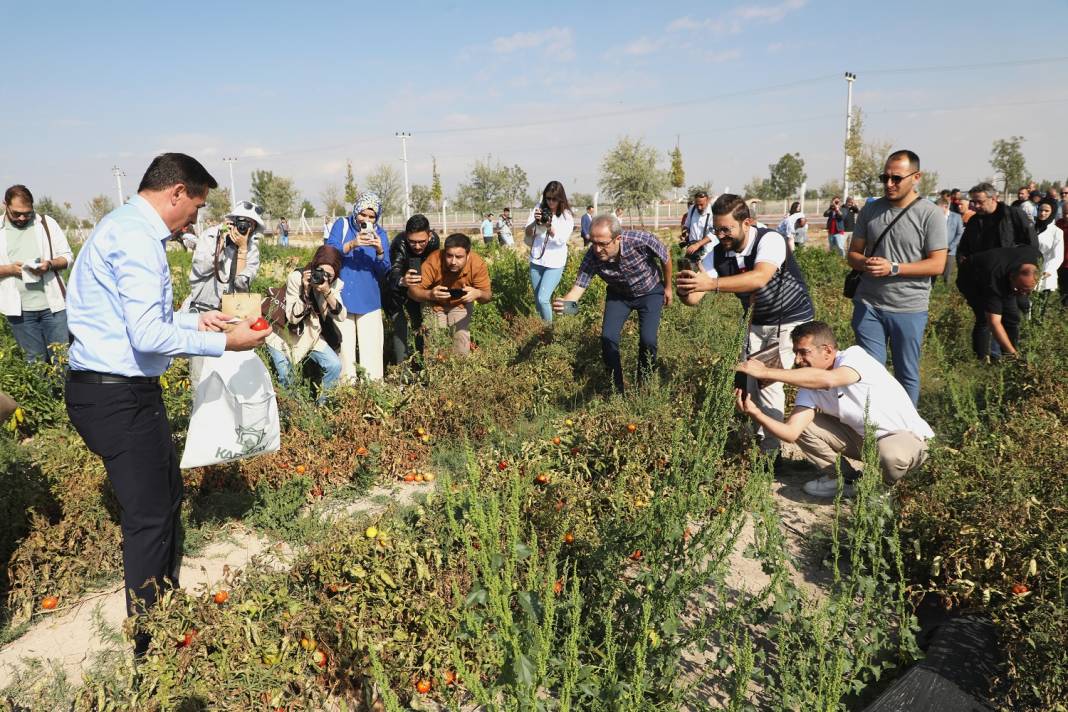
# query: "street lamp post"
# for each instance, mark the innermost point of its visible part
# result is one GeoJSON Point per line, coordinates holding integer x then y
{"type": "Point", "coordinates": [850, 78]}
{"type": "Point", "coordinates": [233, 191]}
{"type": "Point", "coordinates": [117, 172]}
{"type": "Point", "coordinates": [404, 136]}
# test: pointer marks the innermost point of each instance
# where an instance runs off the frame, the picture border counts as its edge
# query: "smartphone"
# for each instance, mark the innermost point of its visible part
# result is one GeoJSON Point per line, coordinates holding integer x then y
{"type": "Point", "coordinates": [456, 293]}
{"type": "Point", "coordinates": [685, 263]}
{"type": "Point", "coordinates": [570, 307]}
{"type": "Point", "coordinates": [415, 264]}
{"type": "Point", "coordinates": [741, 381]}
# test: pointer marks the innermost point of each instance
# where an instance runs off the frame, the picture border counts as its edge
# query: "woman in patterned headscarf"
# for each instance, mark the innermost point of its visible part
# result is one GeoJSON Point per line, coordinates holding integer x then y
{"type": "Point", "coordinates": [364, 246]}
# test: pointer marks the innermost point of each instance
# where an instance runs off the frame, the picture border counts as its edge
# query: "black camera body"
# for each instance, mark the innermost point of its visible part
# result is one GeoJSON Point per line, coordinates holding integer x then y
{"type": "Point", "coordinates": [319, 276]}
{"type": "Point", "coordinates": [546, 214]}
{"type": "Point", "coordinates": [244, 225]}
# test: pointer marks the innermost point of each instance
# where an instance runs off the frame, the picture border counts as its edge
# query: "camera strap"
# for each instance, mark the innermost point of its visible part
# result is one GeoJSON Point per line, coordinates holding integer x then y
{"type": "Point", "coordinates": [52, 256]}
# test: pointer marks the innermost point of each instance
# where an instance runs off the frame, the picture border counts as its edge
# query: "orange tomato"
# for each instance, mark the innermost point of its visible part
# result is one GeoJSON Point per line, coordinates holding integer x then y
{"type": "Point", "coordinates": [631, 427]}
{"type": "Point", "coordinates": [556, 440]}
{"type": "Point", "coordinates": [558, 586]}
{"type": "Point", "coordinates": [49, 602]}
{"type": "Point", "coordinates": [423, 686]}
{"type": "Point", "coordinates": [221, 597]}
{"type": "Point", "coordinates": [301, 469]}
{"type": "Point", "coordinates": [569, 538]}
{"type": "Point", "coordinates": [361, 451]}
{"type": "Point", "coordinates": [1020, 589]}
{"type": "Point", "coordinates": [636, 555]}
{"type": "Point", "coordinates": [542, 479]}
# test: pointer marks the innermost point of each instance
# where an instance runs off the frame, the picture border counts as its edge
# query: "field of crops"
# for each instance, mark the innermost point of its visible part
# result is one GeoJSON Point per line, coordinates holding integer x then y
{"type": "Point", "coordinates": [568, 550]}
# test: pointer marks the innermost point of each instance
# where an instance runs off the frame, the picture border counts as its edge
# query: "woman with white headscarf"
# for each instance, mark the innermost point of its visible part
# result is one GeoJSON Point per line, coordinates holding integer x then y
{"type": "Point", "coordinates": [1051, 245]}
{"type": "Point", "coordinates": [364, 246]}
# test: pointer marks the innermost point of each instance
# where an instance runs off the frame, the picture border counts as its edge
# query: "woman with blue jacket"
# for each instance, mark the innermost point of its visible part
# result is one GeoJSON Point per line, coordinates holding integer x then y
{"type": "Point", "coordinates": [364, 247]}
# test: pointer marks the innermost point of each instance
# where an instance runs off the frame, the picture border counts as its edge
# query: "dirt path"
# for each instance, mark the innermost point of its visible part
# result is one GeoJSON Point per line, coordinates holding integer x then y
{"type": "Point", "coordinates": [70, 638]}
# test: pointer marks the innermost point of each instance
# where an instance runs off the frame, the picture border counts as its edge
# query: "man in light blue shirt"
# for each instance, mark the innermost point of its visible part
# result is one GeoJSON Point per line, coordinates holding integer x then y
{"type": "Point", "coordinates": [487, 229]}
{"type": "Point", "coordinates": [121, 317]}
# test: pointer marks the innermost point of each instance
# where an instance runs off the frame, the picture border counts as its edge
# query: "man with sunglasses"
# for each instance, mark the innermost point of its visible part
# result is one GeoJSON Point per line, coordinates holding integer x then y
{"type": "Point", "coordinates": [899, 244]}
{"type": "Point", "coordinates": [33, 251]}
{"type": "Point", "coordinates": [637, 269]}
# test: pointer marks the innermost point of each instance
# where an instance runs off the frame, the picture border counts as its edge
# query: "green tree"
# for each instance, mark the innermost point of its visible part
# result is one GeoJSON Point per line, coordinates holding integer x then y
{"type": "Point", "coordinates": [218, 205]}
{"type": "Point", "coordinates": [350, 184]}
{"type": "Point", "coordinates": [422, 199]}
{"type": "Point", "coordinates": [516, 186]}
{"type": "Point", "coordinates": [386, 181]}
{"type": "Point", "coordinates": [758, 188]}
{"type": "Point", "coordinates": [928, 183]}
{"type": "Point", "coordinates": [630, 177]}
{"type": "Point", "coordinates": [276, 194]}
{"type": "Point", "coordinates": [436, 194]}
{"type": "Point", "coordinates": [678, 175]}
{"type": "Point", "coordinates": [99, 206]}
{"type": "Point", "coordinates": [830, 189]}
{"type": "Point", "coordinates": [866, 160]}
{"type": "Point", "coordinates": [1007, 159]}
{"type": "Point", "coordinates": [332, 204]}
{"type": "Point", "coordinates": [786, 176]}
{"type": "Point", "coordinates": [60, 213]}
{"type": "Point", "coordinates": [579, 201]}
{"type": "Point", "coordinates": [490, 186]}
{"type": "Point", "coordinates": [697, 188]}
{"type": "Point", "coordinates": [307, 208]}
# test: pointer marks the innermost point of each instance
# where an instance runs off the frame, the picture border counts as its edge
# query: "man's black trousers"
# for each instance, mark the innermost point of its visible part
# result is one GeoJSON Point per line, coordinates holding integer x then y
{"type": "Point", "coordinates": [126, 425]}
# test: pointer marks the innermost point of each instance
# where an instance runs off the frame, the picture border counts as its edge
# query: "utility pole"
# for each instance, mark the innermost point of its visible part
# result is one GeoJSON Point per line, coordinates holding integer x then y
{"type": "Point", "coordinates": [233, 191]}
{"type": "Point", "coordinates": [117, 172]}
{"type": "Point", "coordinates": [404, 136]}
{"type": "Point", "coordinates": [850, 78]}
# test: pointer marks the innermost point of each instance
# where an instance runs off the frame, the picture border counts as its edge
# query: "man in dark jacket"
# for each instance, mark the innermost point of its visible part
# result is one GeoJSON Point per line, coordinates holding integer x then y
{"type": "Point", "coordinates": [406, 253]}
{"type": "Point", "coordinates": [993, 282]}
{"type": "Point", "coordinates": [994, 225]}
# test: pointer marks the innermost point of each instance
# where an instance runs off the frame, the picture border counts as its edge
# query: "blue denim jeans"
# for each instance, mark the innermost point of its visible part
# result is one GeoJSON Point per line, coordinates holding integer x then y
{"type": "Point", "coordinates": [904, 330]}
{"type": "Point", "coordinates": [617, 309]}
{"type": "Point", "coordinates": [327, 360]}
{"type": "Point", "coordinates": [35, 330]}
{"type": "Point", "coordinates": [836, 243]}
{"type": "Point", "coordinates": [544, 280]}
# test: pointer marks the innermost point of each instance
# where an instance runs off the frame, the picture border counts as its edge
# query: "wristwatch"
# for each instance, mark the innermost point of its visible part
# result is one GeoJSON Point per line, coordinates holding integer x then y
{"type": "Point", "coordinates": [894, 269]}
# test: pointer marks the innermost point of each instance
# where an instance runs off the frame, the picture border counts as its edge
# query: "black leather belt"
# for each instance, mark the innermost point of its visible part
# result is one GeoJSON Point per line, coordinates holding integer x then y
{"type": "Point", "coordinates": [94, 377]}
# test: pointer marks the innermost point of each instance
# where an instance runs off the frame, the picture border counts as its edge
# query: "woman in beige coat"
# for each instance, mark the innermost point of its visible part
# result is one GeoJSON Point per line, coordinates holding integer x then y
{"type": "Point", "coordinates": [313, 311]}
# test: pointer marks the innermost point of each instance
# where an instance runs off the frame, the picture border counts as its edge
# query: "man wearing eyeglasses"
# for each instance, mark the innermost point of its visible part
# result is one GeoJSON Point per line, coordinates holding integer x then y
{"type": "Point", "coordinates": [899, 243]}
{"type": "Point", "coordinates": [637, 269]}
{"type": "Point", "coordinates": [33, 252]}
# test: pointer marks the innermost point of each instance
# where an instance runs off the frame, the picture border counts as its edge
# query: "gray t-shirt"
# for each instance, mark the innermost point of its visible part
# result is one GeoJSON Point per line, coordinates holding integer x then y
{"type": "Point", "coordinates": [921, 231]}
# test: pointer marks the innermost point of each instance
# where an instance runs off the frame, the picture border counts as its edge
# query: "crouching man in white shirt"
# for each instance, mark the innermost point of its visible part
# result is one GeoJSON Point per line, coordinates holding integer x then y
{"type": "Point", "coordinates": [835, 388]}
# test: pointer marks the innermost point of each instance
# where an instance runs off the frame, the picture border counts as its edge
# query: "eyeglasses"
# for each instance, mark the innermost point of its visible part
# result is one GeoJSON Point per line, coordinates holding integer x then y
{"type": "Point", "coordinates": [602, 245]}
{"type": "Point", "coordinates": [723, 231]}
{"type": "Point", "coordinates": [245, 205]}
{"type": "Point", "coordinates": [15, 214]}
{"type": "Point", "coordinates": [896, 180]}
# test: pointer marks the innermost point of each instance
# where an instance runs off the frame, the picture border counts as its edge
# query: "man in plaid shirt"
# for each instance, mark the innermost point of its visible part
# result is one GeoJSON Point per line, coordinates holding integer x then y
{"type": "Point", "coordinates": [636, 267]}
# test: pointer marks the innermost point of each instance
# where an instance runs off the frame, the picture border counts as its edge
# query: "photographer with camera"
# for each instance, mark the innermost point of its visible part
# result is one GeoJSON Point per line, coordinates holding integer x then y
{"type": "Point", "coordinates": [226, 258]}
{"type": "Point", "coordinates": [407, 253]}
{"type": "Point", "coordinates": [454, 278]}
{"type": "Point", "coordinates": [757, 265]}
{"type": "Point", "coordinates": [696, 237]}
{"type": "Point", "coordinates": [548, 231]}
{"type": "Point", "coordinates": [314, 313]}
{"type": "Point", "coordinates": [364, 248]}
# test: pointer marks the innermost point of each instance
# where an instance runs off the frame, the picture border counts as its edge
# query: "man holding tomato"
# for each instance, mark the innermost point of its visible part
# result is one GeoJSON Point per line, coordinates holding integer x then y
{"type": "Point", "coordinates": [125, 332]}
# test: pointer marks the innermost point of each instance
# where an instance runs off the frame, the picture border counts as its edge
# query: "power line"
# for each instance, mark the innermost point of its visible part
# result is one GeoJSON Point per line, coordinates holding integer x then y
{"type": "Point", "coordinates": [951, 67]}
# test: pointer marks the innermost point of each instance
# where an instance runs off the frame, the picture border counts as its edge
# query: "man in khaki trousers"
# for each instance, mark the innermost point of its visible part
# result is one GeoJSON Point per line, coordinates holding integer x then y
{"type": "Point", "coordinates": [838, 391]}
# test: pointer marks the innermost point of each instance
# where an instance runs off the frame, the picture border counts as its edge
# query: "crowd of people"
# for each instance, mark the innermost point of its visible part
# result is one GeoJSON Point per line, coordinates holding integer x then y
{"type": "Point", "coordinates": [117, 312]}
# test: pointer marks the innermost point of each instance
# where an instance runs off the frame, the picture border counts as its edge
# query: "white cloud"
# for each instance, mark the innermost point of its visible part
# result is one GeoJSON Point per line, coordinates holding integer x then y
{"type": "Point", "coordinates": [642, 46]}
{"type": "Point", "coordinates": [556, 41]}
{"type": "Point", "coordinates": [254, 152]}
{"type": "Point", "coordinates": [771, 13]}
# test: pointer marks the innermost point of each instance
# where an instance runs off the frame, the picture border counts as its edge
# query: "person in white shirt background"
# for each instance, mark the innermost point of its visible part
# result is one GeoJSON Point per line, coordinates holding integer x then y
{"type": "Point", "coordinates": [837, 392]}
{"type": "Point", "coordinates": [33, 251]}
{"type": "Point", "coordinates": [697, 232]}
{"type": "Point", "coordinates": [1051, 245]}
{"type": "Point", "coordinates": [548, 231]}
{"type": "Point", "coordinates": [794, 226]}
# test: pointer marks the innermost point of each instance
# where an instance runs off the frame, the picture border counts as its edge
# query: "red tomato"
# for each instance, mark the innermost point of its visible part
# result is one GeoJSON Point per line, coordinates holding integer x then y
{"type": "Point", "coordinates": [260, 324]}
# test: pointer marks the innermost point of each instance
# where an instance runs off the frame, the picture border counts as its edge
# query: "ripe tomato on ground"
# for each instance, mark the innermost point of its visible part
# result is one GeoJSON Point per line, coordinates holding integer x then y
{"type": "Point", "coordinates": [49, 602]}
{"type": "Point", "coordinates": [423, 686]}
{"type": "Point", "coordinates": [221, 597]}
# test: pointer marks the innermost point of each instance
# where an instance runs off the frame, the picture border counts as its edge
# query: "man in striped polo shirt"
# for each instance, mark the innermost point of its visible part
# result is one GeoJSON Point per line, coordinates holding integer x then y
{"type": "Point", "coordinates": [637, 269]}
{"type": "Point", "coordinates": [754, 264]}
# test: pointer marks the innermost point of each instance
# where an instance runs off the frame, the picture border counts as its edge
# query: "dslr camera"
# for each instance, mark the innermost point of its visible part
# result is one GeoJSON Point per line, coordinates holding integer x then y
{"type": "Point", "coordinates": [546, 214]}
{"type": "Point", "coordinates": [318, 276]}
{"type": "Point", "coordinates": [244, 225]}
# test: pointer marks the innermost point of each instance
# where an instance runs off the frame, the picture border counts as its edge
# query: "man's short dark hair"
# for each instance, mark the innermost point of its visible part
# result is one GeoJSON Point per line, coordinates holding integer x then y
{"type": "Point", "coordinates": [701, 193]}
{"type": "Point", "coordinates": [819, 331]}
{"type": "Point", "coordinates": [18, 191]}
{"type": "Point", "coordinates": [984, 187]}
{"type": "Point", "coordinates": [731, 204]}
{"type": "Point", "coordinates": [506, 210]}
{"type": "Point", "coordinates": [417, 223]}
{"type": "Point", "coordinates": [458, 239]}
{"type": "Point", "coordinates": [170, 169]}
{"type": "Point", "coordinates": [914, 160]}
{"type": "Point", "coordinates": [589, 207]}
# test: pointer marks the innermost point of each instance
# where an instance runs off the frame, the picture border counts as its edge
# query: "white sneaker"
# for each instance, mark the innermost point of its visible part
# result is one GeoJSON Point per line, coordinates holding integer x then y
{"type": "Point", "coordinates": [827, 487]}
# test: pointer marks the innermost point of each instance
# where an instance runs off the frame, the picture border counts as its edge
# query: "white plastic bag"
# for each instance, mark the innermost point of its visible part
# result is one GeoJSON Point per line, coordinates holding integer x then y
{"type": "Point", "coordinates": [235, 415]}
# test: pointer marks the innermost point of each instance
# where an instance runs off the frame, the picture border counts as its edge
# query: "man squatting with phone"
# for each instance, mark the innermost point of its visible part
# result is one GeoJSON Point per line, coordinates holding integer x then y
{"type": "Point", "coordinates": [453, 279]}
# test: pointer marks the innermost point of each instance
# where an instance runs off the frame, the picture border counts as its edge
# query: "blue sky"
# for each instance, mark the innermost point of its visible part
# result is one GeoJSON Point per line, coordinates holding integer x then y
{"type": "Point", "coordinates": [300, 88]}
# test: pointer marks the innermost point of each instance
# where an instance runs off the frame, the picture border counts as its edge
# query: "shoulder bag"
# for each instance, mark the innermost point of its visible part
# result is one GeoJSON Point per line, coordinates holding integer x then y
{"type": "Point", "coordinates": [852, 280]}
